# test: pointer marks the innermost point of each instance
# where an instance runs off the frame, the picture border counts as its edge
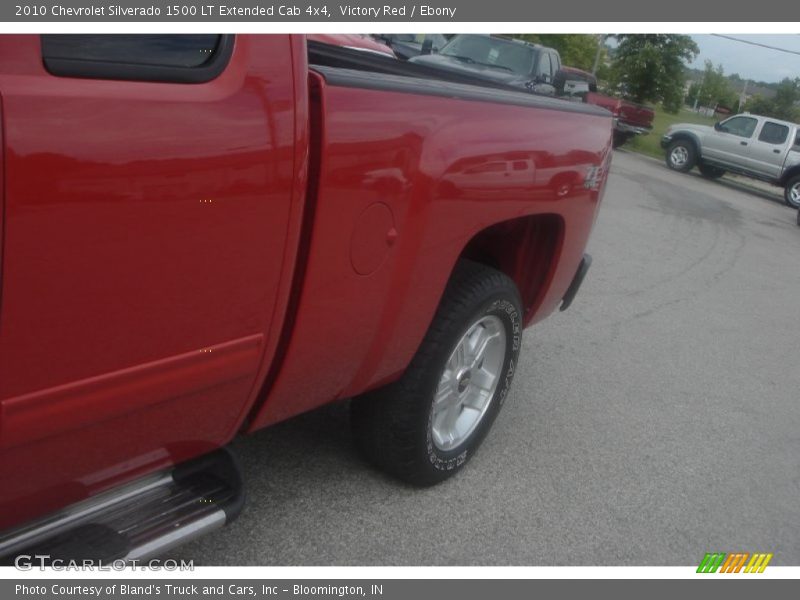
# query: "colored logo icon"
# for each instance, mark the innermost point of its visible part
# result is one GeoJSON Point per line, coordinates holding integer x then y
{"type": "Point", "coordinates": [734, 562]}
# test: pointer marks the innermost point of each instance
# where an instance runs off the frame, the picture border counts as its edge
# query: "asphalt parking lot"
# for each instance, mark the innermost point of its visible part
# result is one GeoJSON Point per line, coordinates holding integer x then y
{"type": "Point", "coordinates": [656, 420]}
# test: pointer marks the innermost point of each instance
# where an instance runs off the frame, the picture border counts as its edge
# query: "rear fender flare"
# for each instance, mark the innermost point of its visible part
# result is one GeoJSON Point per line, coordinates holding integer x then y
{"type": "Point", "coordinates": [688, 135]}
{"type": "Point", "coordinates": [792, 171]}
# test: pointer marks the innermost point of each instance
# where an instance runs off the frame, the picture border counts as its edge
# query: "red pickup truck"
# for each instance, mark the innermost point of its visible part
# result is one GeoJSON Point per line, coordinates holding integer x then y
{"type": "Point", "coordinates": [630, 119]}
{"type": "Point", "coordinates": [204, 235]}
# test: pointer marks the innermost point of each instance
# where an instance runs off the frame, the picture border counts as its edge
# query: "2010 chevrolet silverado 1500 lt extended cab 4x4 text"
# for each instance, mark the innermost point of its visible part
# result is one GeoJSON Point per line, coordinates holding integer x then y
{"type": "Point", "coordinates": [204, 235]}
{"type": "Point", "coordinates": [750, 145]}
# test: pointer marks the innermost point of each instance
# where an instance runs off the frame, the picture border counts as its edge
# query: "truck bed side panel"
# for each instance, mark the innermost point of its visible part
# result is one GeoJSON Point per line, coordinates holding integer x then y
{"type": "Point", "coordinates": [406, 181]}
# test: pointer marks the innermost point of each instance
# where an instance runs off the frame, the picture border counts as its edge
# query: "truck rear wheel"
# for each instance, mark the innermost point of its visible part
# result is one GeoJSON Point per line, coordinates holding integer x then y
{"type": "Point", "coordinates": [619, 139]}
{"type": "Point", "coordinates": [426, 426]}
{"type": "Point", "coordinates": [791, 193]}
{"type": "Point", "coordinates": [710, 172]}
{"type": "Point", "coordinates": [681, 156]}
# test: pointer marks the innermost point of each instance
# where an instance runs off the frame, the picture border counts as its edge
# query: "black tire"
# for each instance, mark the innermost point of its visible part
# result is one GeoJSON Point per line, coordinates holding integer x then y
{"type": "Point", "coordinates": [393, 426]}
{"type": "Point", "coordinates": [619, 139]}
{"type": "Point", "coordinates": [792, 186]}
{"type": "Point", "coordinates": [691, 156]}
{"type": "Point", "coordinates": [710, 172]}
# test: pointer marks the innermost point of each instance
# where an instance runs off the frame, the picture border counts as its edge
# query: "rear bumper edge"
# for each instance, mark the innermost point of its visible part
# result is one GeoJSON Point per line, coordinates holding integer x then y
{"type": "Point", "coordinates": [577, 280]}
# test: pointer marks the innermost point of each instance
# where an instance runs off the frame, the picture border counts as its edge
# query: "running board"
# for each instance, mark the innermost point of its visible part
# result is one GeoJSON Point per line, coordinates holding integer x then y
{"type": "Point", "coordinates": [140, 520]}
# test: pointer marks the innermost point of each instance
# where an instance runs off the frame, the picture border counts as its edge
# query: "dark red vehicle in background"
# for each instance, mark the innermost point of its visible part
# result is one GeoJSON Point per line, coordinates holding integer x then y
{"type": "Point", "coordinates": [631, 119]}
{"type": "Point", "coordinates": [204, 235]}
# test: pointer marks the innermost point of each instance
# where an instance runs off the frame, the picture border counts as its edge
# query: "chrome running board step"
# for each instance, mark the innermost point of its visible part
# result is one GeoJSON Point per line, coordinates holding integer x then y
{"type": "Point", "coordinates": [140, 520]}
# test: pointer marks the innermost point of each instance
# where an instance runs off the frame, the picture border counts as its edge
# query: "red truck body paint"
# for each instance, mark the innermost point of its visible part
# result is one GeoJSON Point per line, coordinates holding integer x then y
{"type": "Point", "coordinates": [185, 262]}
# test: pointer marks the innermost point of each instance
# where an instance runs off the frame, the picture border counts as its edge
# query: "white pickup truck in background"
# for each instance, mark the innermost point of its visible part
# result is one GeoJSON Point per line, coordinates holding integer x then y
{"type": "Point", "coordinates": [750, 145]}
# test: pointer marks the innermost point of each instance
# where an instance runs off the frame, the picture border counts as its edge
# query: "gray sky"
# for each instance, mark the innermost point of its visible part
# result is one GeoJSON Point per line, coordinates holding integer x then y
{"type": "Point", "coordinates": [751, 62]}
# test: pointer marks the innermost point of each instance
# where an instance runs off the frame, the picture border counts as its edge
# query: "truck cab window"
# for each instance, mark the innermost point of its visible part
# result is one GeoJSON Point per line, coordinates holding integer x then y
{"type": "Point", "coordinates": [187, 58]}
{"type": "Point", "coordinates": [741, 126]}
{"type": "Point", "coordinates": [773, 133]}
{"type": "Point", "coordinates": [555, 59]}
{"type": "Point", "coordinates": [544, 68]}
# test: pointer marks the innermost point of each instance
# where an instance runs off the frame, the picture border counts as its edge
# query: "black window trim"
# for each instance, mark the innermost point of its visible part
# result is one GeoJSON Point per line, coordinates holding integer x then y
{"type": "Point", "coordinates": [90, 69]}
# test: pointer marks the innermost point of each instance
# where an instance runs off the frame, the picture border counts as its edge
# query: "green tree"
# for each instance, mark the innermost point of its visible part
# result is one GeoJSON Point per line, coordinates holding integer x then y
{"type": "Point", "coordinates": [693, 94]}
{"type": "Point", "coordinates": [782, 106]}
{"type": "Point", "coordinates": [713, 90]}
{"type": "Point", "coordinates": [786, 97]}
{"type": "Point", "coordinates": [759, 105]}
{"type": "Point", "coordinates": [576, 50]}
{"type": "Point", "coordinates": [650, 67]}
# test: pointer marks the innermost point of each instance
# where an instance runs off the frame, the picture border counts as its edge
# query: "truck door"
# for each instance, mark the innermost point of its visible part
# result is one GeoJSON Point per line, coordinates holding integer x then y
{"type": "Point", "coordinates": [148, 190]}
{"type": "Point", "coordinates": [730, 143]}
{"type": "Point", "coordinates": [768, 150]}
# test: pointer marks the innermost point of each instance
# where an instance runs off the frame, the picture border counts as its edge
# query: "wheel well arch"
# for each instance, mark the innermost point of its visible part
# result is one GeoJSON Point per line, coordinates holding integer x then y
{"type": "Point", "coordinates": [526, 249]}
{"type": "Point", "coordinates": [791, 172]}
{"type": "Point", "coordinates": [684, 135]}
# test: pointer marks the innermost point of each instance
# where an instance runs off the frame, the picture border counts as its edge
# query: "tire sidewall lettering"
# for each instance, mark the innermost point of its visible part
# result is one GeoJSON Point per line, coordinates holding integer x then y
{"type": "Point", "coordinates": [510, 315]}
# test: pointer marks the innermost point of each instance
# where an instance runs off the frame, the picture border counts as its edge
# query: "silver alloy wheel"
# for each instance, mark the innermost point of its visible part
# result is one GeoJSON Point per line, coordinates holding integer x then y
{"type": "Point", "coordinates": [794, 194]}
{"type": "Point", "coordinates": [468, 382]}
{"type": "Point", "coordinates": [679, 156]}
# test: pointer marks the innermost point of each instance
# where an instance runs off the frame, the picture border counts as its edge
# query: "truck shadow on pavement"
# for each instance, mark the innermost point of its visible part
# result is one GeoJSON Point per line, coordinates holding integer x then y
{"type": "Point", "coordinates": [775, 197]}
{"type": "Point", "coordinates": [315, 442]}
{"type": "Point", "coordinates": [311, 499]}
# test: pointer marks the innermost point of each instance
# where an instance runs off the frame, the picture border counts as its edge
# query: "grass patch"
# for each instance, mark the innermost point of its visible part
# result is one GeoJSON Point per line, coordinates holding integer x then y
{"type": "Point", "coordinates": [651, 144]}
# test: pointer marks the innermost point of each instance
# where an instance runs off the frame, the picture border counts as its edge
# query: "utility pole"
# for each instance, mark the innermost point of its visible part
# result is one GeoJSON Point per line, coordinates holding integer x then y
{"type": "Point", "coordinates": [743, 96]}
{"type": "Point", "coordinates": [697, 97]}
{"type": "Point", "coordinates": [601, 41]}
